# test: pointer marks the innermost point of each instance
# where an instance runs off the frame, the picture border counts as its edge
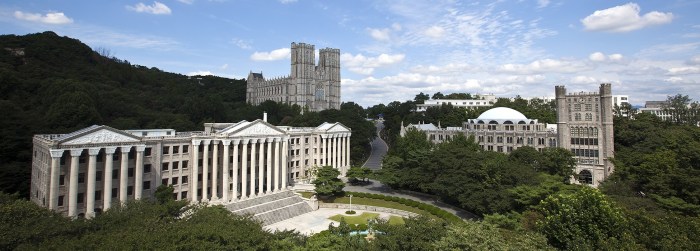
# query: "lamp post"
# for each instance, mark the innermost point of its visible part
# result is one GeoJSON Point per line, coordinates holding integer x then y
{"type": "Point", "coordinates": [351, 202]}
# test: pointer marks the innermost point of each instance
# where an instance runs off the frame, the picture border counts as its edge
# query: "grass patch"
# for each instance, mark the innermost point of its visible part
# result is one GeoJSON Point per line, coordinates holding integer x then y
{"type": "Point", "coordinates": [306, 194]}
{"type": "Point", "coordinates": [381, 203]}
{"type": "Point", "coordinates": [396, 220]}
{"type": "Point", "coordinates": [352, 220]}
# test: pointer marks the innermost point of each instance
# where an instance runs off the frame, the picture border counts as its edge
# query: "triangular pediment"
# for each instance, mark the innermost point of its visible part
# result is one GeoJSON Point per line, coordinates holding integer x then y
{"type": "Point", "coordinates": [256, 128]}
{"type": "Point", "coordinates": [98, 135]}
{"type": "Point", "coordinates": [338, 127]}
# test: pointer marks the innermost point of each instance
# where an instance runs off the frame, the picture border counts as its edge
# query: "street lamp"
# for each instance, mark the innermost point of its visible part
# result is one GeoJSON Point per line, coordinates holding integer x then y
{"type": "Point", "coordinates": [351, 202]}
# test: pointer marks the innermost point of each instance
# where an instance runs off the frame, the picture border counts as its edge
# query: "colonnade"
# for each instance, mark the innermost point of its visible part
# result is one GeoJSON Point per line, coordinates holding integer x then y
{"type": "Point", "coordinates": [75, 153]}
{"type": "Point", "coordinates": [336, 150]}
{"type": "Point", "coordinates": [265, 172]}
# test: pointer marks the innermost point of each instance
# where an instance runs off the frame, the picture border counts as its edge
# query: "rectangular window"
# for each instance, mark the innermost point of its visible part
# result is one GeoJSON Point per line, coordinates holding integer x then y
{"type": "Point", "coordinates": [164, 167]}
{"type": "Point", "coordinates": [164, 181]}
{"type": "Point", "coordinates": [184, 179]}
{"type": "Point", "coordinates": [184, 164]}
{"type": "Point", "coordinates": [60, 201]}
{"type": "Point", "coordinates": [174, 180]}
{"type": "Point", "coordinates": [147, 184]}
{"type": "Point", "coordinates": [98, 176]}
{"type": "Point", "coordinates": [131, 172]}
{"type": "Point", "coordinates": [147, 168]}
{"type": "Point", "coordinates": [166, 150]}
{"type": "Point", "coordinates": [61, 180]}
{"type": "Point", "coordinates": [183, 195]}
{"type": "Point", "coordinates": [115, 192]}
{"type": "Point", "coordinates": [147, 152]}
{"type": "Point", "coordinates": [176, 149]}
{"type": "Point", "coordinates": [129, 190]}
{"type": "Point", "coordinates": [81, 178]}
{"type": "Point", "coordinates": [115, 173]}
{"type": "Point", "coordinates": [185, 148]}
{"type": "Point", "coordinates": [80, 198]}
{"type": "Point", "coordinates": [98, 195]}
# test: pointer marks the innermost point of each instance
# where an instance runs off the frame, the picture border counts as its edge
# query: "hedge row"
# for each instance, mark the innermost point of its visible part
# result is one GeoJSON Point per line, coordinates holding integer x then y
{"type": "Point", "coordinates": [411, 203]}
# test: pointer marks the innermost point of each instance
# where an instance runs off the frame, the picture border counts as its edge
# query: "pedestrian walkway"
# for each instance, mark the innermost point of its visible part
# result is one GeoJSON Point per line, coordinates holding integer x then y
{"type": "Point", "coordinates": [316, 221]}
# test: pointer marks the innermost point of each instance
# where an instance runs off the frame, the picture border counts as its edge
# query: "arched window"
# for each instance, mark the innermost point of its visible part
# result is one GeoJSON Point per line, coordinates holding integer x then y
{"type": "Point", "coordinates": [585, 177]}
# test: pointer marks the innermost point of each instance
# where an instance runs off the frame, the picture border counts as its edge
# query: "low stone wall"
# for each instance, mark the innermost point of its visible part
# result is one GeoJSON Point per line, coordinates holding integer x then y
{"type": "Point", "coordinates": [367, 208]}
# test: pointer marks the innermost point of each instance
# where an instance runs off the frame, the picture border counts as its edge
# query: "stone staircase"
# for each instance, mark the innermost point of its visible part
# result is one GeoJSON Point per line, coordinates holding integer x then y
{"type": "Point", "coordinates": [272, 208]}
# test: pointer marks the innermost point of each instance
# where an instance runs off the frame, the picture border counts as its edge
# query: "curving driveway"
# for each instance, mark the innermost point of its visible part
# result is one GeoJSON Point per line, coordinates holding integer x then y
{"type": "Point", "coordinates": [379, 149]}
{"type": "Point", "coordinates": [374, 162]}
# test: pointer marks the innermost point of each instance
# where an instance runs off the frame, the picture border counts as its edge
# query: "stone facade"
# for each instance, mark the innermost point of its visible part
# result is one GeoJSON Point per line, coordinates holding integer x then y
{"type": "Point", "coordinates": [313, 87]}
{"type": "Point", "coordinates": [86, 171]}
{"type": "Point", "coordinates": [584, 126]}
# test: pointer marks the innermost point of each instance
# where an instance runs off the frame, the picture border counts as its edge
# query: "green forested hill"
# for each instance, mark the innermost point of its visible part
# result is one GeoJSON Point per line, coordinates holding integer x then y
{"type": "Point", "coordinates": [53, 84]}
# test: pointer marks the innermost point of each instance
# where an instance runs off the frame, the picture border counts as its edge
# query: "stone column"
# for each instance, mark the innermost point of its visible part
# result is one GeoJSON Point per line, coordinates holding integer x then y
{"type": "Point", "coordinates": [268, 167]}
{"type": "Point", "coordinates": [327, 155]}
{"type": "Point", "coordinates": [285, 152]}
{"type": "Point", "coordinates": [195, 171]}
{"type": "Point", "coordinates": [336, 138]}
{"type": "Point", "coordinates": [302, 156]}
{"type": "Point", "coordinates": [215, 172]}
{"type": "Point", "coordinates": [90, 191]}
{"type": "Point", "coordinates": [224, 172]}
{"type": "Point", "coordinates": [252, 166]}
{"type": "Point", "coordinates": [124, 173]}
{"type": "Point", "coordinates": [205, 169]}
{"type": "Point", "coordinates": [261, 167]}
{"type": "Point", "coordinates": [73, 185]}
{"type": "Point", "coordinates": [244, 170]}
{"type": "Point", "coordinates": [55, 175]}
{"type": "Point", "coordinates": [324, 152]}
{"type": "Point", "coordinates": [138, 180]}
{"type": "Point", "coordinates": [107, 188]}
{"type": "Point", "coordinates": [347, 150]}
{"type": "Point", "coordinates": [277, 165]}
{"type": "Point", "coordinates": [343, 140]}
{"type": "Point", "coordinates": [234, 196]}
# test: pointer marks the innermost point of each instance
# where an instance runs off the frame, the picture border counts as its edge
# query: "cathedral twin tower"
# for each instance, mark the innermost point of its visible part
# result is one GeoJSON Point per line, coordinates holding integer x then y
{"type": "Point", "coordinates": [313, 87]}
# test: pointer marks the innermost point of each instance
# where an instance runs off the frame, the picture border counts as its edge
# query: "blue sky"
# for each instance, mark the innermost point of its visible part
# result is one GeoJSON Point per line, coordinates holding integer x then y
{"type": "Point", "coordinates": [392, 50]}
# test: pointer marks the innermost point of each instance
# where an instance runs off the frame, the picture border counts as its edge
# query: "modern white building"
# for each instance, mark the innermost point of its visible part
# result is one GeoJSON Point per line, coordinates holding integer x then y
{"type": "Point", "coordinates": [483, 101]}
{"type": "Point", "coordinates": [87, 171]}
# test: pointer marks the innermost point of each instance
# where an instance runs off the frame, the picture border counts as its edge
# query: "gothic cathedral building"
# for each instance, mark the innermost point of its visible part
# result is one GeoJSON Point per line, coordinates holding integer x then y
{"type": "Point", "coordinates": [313, 87]}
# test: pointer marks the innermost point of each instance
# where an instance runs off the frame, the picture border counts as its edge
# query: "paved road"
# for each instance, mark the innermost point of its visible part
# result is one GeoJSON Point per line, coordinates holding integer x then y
{"type": "Point", "coordinates": [379, 149]}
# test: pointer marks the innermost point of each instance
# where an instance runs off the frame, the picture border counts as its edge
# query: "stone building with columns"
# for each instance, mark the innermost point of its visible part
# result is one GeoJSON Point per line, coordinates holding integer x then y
{"type": "Point", "coordinates": [584, 126]}
{"type": "Point", "coordinates": [313, 87]}
{"type": "Point", "coordinates": [87, 171]}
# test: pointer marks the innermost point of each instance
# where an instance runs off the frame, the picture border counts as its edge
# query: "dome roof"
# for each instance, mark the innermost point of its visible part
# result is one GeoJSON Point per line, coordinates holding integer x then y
{"type": "Point", "coordinates": [501, 113]}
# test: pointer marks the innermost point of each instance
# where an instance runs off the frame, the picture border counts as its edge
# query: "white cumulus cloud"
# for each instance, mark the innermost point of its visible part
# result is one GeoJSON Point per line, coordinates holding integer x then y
{"type": "Point", "coordinates": [545, 66]}
{"type": "Point", "coordinates": [361, 64]}
{"type": "Point", "coordinates": [685, 70]}
{"type": "Point", "coordinates": [379, 34]}
{"type": "Point", "coordinates": [435, 32]}
{"type": "Point", "coordinates": [157, 8]}
{"type": "Point", "coordinates": [597, 57]}
{"type": "Point", "coordinates": [624, 18]}
{"type": "Point", "coordinates": [278, 54]}
{"type": "Point", "coordinates": [49, 18]}
{"type": "Point", "coordinates": [600, 57]}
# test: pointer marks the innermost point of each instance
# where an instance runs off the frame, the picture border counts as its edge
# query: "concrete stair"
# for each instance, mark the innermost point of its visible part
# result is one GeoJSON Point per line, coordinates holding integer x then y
{"type": "Point", "coordinates": [272, 208]}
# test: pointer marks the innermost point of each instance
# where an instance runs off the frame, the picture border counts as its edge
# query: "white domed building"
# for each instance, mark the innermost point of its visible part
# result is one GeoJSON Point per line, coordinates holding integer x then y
{"type": "Point", "coordinates": [584, 126]}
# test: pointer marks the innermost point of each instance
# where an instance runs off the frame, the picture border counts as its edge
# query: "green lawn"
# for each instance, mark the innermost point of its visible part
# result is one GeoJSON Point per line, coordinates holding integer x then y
{"type": "Point", "coordinates": [352, 220]}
